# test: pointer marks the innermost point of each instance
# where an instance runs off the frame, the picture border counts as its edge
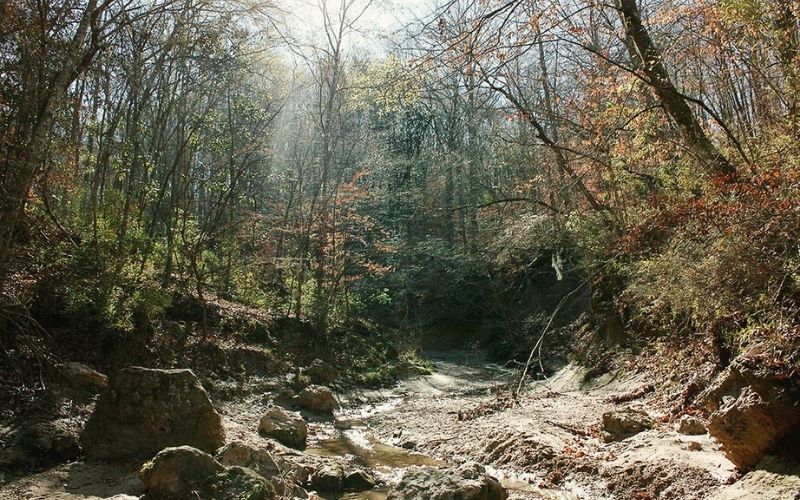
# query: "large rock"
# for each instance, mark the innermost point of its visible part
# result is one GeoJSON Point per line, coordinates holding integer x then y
{"type": "Point", "coordinates": [748, 426]}
{"type": "Point", "coordinates": [243, 455]}
{"type": "Point", "coordinates": [467, 482]}
{"type": "Point", "coordinates": [328, 477]}
{"type": "Point", "coordinates": [184, 472]}
{"type": "Point", "coordinates": [358, 480]}
{"type": "Point", "coordinates": [288, 428]}
{"type": "Point", "coordinates": [146, 410]}
{"type": "Point", "coordinates": [240, 483]}
{"type": "Point", "coordinates": [177, 472]}
{"type": "Point", "coordinates": [317, 398]}
{"type": "Point", "coordinates": [320, 372]}
{"type": "Point", "coordinates": [690, 425]}
{"type": "Point", "coordinates": [40, 444]}
{"type": "Point", "coordinates": [57, 439]}
{"type": "Point", "coordinates": [83, 377]}
{"type": "Point", "coordinates": [753, 410]}
{"type": "Point", "coordinates": [621, 424]}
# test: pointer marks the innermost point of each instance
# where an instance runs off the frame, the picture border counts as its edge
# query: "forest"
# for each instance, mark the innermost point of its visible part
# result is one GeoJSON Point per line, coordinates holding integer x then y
{"type": "Point", "coordinates": [426, 249]}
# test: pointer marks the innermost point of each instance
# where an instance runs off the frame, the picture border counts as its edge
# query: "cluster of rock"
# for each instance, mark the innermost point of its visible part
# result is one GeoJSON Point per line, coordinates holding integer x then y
{"type": "Point", "coordinates": [284, 475]}
{"type": "Point", "coordinates": [752, 408]}
{"type": "Point", "coordinates": [166, 418]}
{"type": "Point", "coordinates": [621, 424]}
{"type": "Point", "coordinates": [331, 477]}
{"type": "Point", "coordinates": [41, 443]}
{"type": "Point", "coordinates": [240, 359]}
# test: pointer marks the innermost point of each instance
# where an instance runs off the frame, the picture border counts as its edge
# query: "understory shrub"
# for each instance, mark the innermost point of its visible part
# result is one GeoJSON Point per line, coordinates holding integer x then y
{"type": "Point", "coordinates": [725, 264]}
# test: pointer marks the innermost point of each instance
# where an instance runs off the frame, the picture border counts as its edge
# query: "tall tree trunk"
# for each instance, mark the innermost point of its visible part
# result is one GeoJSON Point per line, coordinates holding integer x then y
{"type": "Point", "coordinates": [714, 162]}
{"type": "Point", "coordinates": [556, 198]}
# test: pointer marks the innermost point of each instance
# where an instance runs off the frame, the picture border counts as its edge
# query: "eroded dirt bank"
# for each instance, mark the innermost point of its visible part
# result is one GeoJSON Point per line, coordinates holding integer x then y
{"type": "Point", "coordinates": [548, 443]}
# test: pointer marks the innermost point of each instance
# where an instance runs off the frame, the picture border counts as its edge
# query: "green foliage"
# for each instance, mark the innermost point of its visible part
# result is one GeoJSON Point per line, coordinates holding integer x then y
{"type": "Point", "coordinates": [387, 85]}
{"type": "Point", "coordinates": [748, 11]}
{"type": "Point", "coordinates": [381, 374]}
{"type": "Point", "coordinates": [96, 286]}
{"type": "Point", "coordinates": [435, 281]}
{"type": "Point", "coordinates": [456, 187]}
{"type": "Point", "coordinates": [412, 362]}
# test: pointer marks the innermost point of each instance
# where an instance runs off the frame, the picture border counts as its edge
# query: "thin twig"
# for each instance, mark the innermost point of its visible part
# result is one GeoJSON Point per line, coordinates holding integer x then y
{"type": "Point", "coordinates": [538, 345]}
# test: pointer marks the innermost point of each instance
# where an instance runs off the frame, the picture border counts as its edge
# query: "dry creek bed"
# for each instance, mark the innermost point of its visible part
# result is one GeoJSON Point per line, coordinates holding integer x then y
{"type": "Point", "coordinates": [543, 445]}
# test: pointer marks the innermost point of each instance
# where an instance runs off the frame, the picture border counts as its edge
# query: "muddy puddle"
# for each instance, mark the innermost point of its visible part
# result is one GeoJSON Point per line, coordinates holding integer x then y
{"type": "Point", "coordinates": [369, 452]}
{"type": "Point", "coordinates": [388, 463]}
{"type": "Point", "coordinates": [349, 437]}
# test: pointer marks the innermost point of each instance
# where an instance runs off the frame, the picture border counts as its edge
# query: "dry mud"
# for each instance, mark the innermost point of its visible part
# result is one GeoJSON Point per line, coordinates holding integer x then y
{"type": "Point", "coordinates": [543, 444]}
{"type": "Point", "coordinates": [546, 443]}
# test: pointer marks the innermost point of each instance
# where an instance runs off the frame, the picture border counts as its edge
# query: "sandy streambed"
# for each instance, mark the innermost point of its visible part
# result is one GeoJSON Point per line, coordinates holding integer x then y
{"type": "Point", "coordinates": [544, 444]}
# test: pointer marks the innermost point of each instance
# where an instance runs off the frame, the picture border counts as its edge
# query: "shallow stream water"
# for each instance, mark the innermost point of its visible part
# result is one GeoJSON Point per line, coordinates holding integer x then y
{"type": "Point", "coordinates": [350, 436]}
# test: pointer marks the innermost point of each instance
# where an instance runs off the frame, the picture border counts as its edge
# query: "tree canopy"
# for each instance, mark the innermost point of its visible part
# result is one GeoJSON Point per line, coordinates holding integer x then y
{"type": "Point", "coordinates": [482, 164]}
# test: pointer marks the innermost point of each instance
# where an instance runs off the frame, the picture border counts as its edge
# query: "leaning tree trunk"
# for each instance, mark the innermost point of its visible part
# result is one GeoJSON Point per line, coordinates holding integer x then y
{"type": "Point", "coordinates": [671, 99]}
